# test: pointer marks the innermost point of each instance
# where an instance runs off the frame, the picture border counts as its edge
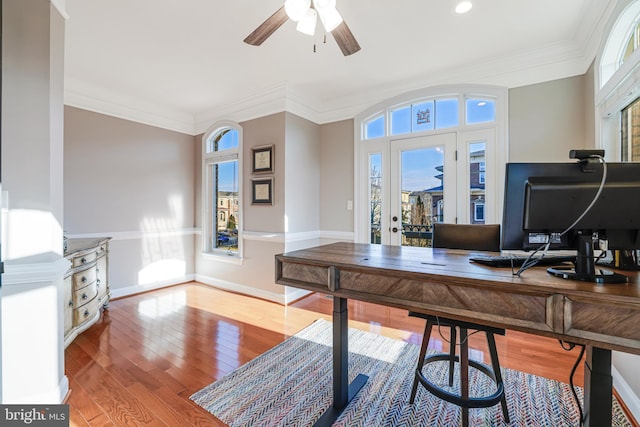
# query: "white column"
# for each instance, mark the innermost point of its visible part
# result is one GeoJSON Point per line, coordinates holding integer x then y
{"type": "Point", "coordinates": [31, 322]}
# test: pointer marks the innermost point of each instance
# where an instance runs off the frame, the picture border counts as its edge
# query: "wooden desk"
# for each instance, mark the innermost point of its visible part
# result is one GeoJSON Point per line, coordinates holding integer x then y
{"type": "Point", "coordinates": [444, 282]}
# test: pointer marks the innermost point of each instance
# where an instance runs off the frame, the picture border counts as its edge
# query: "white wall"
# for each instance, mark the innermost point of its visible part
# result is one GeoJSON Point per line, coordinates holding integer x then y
{"type": "Point", "coordinates": [302, 175]}
{"type": "Point", "coordinates": [32, 358]}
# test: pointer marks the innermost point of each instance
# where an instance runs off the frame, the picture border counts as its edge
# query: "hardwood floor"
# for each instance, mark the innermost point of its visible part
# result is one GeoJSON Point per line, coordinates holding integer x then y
{"type": "Point", "coordinates": [149, 352]}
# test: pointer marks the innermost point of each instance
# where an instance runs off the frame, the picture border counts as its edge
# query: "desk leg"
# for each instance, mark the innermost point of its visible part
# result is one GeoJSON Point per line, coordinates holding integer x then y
{"type": "Point", "coordinates": [598, 385]}
{"type": "Point", "coordinates": [343, 393]}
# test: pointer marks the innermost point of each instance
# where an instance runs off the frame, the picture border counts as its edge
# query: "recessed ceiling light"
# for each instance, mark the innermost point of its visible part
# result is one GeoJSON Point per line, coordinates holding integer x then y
{"type": "Point", "coordinates": [464, 6]}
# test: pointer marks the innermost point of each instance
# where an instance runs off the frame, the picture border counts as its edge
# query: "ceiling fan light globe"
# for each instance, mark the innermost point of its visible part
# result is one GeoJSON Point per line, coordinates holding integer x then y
{"type": "Point", "coordinates": [464, 7]}
{"type": "Point", "coordinates": [296, 9]}
{"type": "Point", "coordinates": [330, 19]}
{"type": "Point", "coordinates": [321, 5]}
{"type": "Point", "coordinates": [307, 24]}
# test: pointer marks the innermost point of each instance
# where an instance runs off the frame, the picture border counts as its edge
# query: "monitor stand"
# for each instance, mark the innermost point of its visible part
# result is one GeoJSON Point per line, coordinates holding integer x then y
{"type": "Point", "coordinates": [585, 268]}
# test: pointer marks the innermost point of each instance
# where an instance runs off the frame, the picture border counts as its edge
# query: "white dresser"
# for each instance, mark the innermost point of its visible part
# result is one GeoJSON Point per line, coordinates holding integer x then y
{"type": "Point", "coordinates": [86, 285]}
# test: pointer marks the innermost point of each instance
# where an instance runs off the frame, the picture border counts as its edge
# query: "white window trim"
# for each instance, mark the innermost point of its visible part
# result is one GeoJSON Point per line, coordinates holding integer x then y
{"type": "Point", "coordinates": [615, 87]}
{"type": "Point", "coordinates": [207, 160]}
{"type": "Point", "coordinates": [499, 159]}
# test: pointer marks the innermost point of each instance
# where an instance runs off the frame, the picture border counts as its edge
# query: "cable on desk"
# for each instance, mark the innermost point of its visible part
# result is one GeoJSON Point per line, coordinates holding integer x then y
{"type": "Point", "coordinates": [530, 262]}
{"type": "Point", "coordinates": [570, 346]}
{"type": "Point", "coordinates": [531, 259]}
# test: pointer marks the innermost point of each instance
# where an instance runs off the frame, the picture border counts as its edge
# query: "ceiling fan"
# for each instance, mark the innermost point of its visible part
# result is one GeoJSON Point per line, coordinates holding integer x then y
{"type": "Point", "coordinates": [306, 15]}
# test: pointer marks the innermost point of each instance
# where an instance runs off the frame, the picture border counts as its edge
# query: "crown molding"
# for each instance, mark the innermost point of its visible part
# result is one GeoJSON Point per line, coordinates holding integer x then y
{"type": "Point", "coordinates": [551, 62]}
{"type": "Point", "coordinates": [92, 98]}
{"type": "Point", "coordinates": [61, 7]}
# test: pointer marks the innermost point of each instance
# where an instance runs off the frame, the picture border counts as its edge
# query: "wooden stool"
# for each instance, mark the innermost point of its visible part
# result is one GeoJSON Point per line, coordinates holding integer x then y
{"type": "Point", "coordinates": [463, 400]}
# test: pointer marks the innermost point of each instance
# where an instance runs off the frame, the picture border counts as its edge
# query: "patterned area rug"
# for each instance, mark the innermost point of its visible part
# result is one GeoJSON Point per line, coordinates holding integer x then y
{"type": "Point", "coordinates": [290, 385]}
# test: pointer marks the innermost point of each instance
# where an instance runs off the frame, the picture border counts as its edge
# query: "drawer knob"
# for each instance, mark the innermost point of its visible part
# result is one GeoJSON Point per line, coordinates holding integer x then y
{"type": "Point", "coordinates": [86, 313]}
{"type": "Point", "coordinates": [83, 260]}
{"type": "Point", "coordinates": [84, 296]}
{"type": "Point", "coordinates": [70, 303]}
{"type": "Point", "coordinates": [84, 279]}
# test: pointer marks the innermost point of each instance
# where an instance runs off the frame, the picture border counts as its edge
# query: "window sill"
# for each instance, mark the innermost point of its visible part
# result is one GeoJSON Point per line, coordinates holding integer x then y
{"type": "Point", "coordinates": [223, 256]}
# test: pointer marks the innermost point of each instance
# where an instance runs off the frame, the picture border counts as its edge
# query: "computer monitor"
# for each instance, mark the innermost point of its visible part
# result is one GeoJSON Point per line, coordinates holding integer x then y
{"type": "Point", "coordinates": [543, 200]}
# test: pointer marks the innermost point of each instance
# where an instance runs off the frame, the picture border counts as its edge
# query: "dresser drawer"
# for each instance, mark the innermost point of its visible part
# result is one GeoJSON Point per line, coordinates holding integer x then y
{"type": "Point", "coordinates": [85, 258]}
{"type": "Point", "coordinates": [86, 312]}
{"type": "Point", "coordinates": [84, 295]}
{"type": "Point", "coordinates": [102, 249]}
{"type": "Point", "coordinates": [84, 277]}
{"type": "Point", "coordinates": [68, 306]}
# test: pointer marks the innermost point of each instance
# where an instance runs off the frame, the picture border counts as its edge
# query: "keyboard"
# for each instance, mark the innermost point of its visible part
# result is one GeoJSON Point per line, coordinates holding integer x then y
{"type": "Point", "coordinates": [518, 260]}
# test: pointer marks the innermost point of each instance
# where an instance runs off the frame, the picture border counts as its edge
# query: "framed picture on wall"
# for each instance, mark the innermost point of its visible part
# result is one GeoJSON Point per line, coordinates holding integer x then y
{"type": "Point", "coordinates": [262, 159]}
{"type": "Point", "coordinates": [262, 191]}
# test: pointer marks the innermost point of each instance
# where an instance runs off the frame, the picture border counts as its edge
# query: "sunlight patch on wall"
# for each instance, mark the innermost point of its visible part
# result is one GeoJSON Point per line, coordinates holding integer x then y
{"type": "Point", "coordinates": [27, 232]}
{"type": "Point", "coordinates": [161, 271]}
{"type": "Point", "coordinates": [163, 253]}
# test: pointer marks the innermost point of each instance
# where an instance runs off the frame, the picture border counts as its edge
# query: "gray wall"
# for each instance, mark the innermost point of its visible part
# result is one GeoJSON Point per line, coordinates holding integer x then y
{"type": "Point", "coordinates": [135, 183]}
{"type": "Point", "coordinates": [269, 130]}
{"type": "Point", "coordinates": [548, 119]}
{"type": "Point", "coordinates": [336, 176]}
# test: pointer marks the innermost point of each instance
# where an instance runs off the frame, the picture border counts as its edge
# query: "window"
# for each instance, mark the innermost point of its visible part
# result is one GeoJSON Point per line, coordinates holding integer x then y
{"type": "Point", "coordinates": [631, 132]}
{"type": "Point", "coordinates": [478, 211]}
{"type": "Point", "coordinates": [424, 115]}
{"type": "Point", "coordinates": [618, 67]}
{"type": "Point", "coordinates": [428, 156]}
{"type": "Point", "coordinates": [374, 128]}
{"type": "Point", "coordinates": [222, 198]}
{"type": "Point", "coordinates": [632, 44]}
{"type": "Point", "coordinates": [480, 110]}
{"type": "Point", "coordinates": [429, 115]}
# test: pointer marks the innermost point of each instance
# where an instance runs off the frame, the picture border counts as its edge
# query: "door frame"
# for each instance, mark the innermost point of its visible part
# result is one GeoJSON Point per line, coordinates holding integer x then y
{"type": "Point", "coordinates": [499, 155]}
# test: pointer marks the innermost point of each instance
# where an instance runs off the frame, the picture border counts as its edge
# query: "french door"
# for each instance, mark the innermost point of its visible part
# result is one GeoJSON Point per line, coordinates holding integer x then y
{"type": "Point", "coordinates": [413, 183]}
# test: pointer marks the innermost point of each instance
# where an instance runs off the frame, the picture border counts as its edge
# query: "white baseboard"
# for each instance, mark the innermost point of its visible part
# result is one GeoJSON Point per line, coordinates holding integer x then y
{"type": "Point", "coordinates": [241, 289]}
{"type": "Point", "coordinates": [131, 290]}
{"type": "Point", "coordinates": [630, 399]}
{"type": "Point", "coordinates": [55, 395]}
{"type": "Point", "coordinates": [292, 294]}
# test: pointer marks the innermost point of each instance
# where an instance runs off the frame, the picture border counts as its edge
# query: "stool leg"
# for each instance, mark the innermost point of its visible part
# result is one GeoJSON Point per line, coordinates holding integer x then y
{"type": "Point", "coordinates": [496, 370]}
{"type": "Point", "coordinates": [452, 354]}
{"type": "Point", "coordinates": [464, 373]}
{"type": "Point", "coordinates": [423, 353]}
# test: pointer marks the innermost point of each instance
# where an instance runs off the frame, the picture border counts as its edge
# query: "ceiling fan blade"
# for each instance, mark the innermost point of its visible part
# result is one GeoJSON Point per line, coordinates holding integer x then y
{"type": "Point", "coordinates": [268, 27]}
{"type": "Point", "coordinates": [345, 39]}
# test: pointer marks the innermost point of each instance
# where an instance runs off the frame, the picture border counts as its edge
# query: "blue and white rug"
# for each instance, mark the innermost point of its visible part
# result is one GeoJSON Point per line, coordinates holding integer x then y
{"type": "Point", "coordinates": [290, 385]}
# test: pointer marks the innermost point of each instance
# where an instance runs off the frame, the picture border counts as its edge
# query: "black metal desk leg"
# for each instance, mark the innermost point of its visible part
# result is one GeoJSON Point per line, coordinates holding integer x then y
{"type": "Point", "coordinates": [598, 385]}
{"type": "Point", "coordinates": [343, 393]}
